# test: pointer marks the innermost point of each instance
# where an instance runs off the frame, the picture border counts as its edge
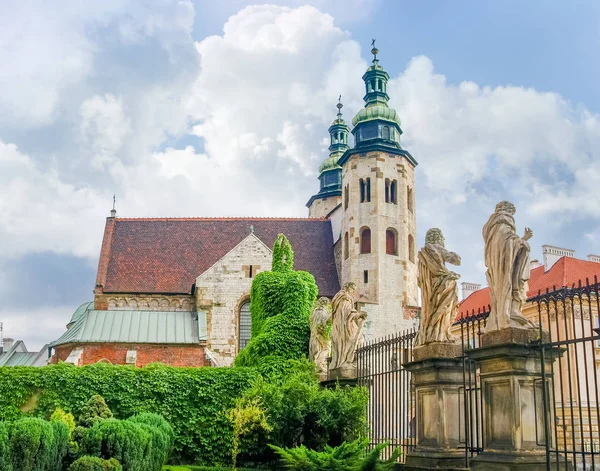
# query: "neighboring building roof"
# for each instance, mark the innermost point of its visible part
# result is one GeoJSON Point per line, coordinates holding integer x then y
{"type": "Point", "coordinates": [17, 355]}
{"type": "Point", "coordinates": [132, 327]}
{"type": "Point", "coordinates": [166, 255]}
{"type": "Point", "coordinates": [567, 271]}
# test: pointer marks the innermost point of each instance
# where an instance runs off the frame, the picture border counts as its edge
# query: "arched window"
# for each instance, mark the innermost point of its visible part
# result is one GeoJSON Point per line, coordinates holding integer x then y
{"type": "Point", "coordinates": [394, 192]}
{"type": "Point", "coordinates": [245, 325]}
{"type": "Point", "coordinates": [411, 248]}
{"type": "Point", "coordinates": [368, 190]}
{"type": "Point", "coordinates": [390, 242]}
{"type": "Point", "coordinates": [365, 240]}
{"type": "Point", "coordinates": [346, 246]}
{"type": "Point", "coordinates": [409, 199]}
{"type": "Point", "coordinates": [386, 132]}
{"type": "Point", "coordinates": [387, 190]}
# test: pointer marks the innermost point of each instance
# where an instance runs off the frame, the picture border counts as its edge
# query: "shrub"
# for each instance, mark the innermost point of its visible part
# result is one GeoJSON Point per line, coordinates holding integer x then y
{"type": "Point", "coordinates": [66, 418]}
{"type": "Point", "coordinates": [32, 443]}
{"type": "Point", "coordinates": [95, 410]}
{"type": "Point", "coordinates": [158, 422]}
{"type": "Point", "coordinates": [5, 454]}
{"type": "Point", "coordinates": [127, 442]}
{"type": "Point", "coordinates": [93, 463]}
{"type": "Point", "coordinates": [349, 456]}
{"type": "Point", "coordinates": [60, 444]}
{"type": "Point", "coordinates": [281, 303]}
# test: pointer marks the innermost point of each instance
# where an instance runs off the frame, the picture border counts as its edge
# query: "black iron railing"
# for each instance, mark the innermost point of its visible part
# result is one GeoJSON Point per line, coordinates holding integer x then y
{"type": "Point", "coordinates": [391, 407]}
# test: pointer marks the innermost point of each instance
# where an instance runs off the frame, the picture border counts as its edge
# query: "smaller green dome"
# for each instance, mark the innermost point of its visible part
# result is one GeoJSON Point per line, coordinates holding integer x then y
{"type": "Point", "coordinates": [377, 111]}
{"type": "Point", "coordinates": [330, 163]}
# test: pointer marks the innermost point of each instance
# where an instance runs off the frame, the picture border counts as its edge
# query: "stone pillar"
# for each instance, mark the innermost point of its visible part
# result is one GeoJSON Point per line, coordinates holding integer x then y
{"type": "Point", "coordinates": [513, 408]}
{"type": "Point", "coordinates": [437, 376]}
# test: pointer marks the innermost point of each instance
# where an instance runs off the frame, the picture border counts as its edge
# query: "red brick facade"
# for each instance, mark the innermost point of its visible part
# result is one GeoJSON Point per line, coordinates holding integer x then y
{"type": "Point", "coordinates": [173, 355]}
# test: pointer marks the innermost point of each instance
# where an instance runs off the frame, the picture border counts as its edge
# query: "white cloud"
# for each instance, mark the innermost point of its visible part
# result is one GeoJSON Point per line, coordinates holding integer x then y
{"type": "Point", "coordinates": [36, 327]}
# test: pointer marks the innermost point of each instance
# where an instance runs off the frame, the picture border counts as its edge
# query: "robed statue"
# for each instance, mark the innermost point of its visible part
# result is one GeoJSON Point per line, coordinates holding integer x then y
{"type": "Point", "coordinates": [439, 294]}
{"type": "Point", "coordinates": [507, 262]}
{"type": "Point", "coordinates": [346, 330]}
{"type": "Point", "coordinates": [318, 348]}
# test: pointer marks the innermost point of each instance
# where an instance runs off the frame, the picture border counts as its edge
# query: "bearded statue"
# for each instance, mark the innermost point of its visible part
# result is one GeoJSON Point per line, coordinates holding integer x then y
{"type": "Point", "coordinates": [439, 294]}
{"type": "Point", "coordinates": [318, 349]}
{"type": "Point", "coordinates": [507, 262]}
{"type": "Point", "coordinates": [346, 331]}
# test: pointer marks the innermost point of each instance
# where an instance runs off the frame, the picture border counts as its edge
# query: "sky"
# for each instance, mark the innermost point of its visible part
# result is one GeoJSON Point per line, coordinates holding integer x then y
{"type": "Point", "coordinates": [194, 108]}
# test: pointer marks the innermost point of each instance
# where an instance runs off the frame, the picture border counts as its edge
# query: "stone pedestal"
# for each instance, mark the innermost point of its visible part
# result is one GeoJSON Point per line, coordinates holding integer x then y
{"type": "Point", "coordinates": [437, 376]}
{"type": "Point", "coordinates": [513, 408]}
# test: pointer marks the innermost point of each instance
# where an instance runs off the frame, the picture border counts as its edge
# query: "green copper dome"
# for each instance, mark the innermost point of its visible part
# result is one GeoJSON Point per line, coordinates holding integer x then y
{"type": "Point", "coordinates": [330, 163]}
{"type": "Point", "coordinates": [378, 111]}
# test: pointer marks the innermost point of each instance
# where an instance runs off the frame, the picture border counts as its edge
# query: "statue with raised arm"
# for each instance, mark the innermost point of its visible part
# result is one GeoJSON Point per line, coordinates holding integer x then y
{"type": "Point", "coordinates": [507, 262]}
{"type": "Point", "coordinates": [318, 348]}
{"type": "Point", "coordinates": [439, 294]}
{"type": "Point", "coordinates": [346, 332]}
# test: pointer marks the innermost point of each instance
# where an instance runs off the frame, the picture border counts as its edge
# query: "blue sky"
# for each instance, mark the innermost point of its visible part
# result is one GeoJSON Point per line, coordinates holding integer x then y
{"type": "Point", "coordinates": [185, 108]}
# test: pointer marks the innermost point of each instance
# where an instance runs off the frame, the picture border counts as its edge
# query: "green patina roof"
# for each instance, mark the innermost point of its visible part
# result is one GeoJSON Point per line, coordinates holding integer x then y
{"type": "Point", "coordinates": [377, 111]}
{"type": "Point", "coordinates": [330, 163]}
{"type": "Point", "coordinates": [165, 327]}
{"type": "Point", "coordinates": [81, 310]}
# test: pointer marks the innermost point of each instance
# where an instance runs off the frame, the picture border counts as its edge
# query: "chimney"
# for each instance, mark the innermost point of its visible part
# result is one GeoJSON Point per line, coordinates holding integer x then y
{"type": "Point", "coordinates": [554, 254]}
{"type": "Point", "coordinates": [535, 264]}
{"type": "Point", "coordinates": [468, 288]}
{"type": "Point", "coordinates": [8, 342]}
{"type": "Point", "coordinates": [594, 258]}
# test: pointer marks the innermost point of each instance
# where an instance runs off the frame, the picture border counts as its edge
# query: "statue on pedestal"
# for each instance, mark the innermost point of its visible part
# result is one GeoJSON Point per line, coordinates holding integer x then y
{"type": "Point", "coordinates": [346, 331]}
{"type": "Point", "coordinates": [439, 295]}
{"type": "Point", "coordinates": [507, 262]}
{"type": "Point", "coordinates": [318, 348]}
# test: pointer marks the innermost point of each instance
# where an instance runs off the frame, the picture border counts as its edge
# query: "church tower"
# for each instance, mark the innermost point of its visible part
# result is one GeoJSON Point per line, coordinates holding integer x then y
{"type": "Point", "coordinates": [330, 173]}
{"type": "Point", "coordinates": [378, 223]}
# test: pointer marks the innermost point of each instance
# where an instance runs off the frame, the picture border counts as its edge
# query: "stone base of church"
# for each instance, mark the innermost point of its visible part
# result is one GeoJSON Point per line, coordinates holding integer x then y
{"type": "Point", "coordinates": [437, 350]}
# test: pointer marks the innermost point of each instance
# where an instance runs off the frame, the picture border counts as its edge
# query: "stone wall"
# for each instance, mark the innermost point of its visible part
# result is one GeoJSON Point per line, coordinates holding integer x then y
{"type": "Point", "coordinates": [321, 207]}
{"type": "Point", "coordinates": [144, 302]}
{"type": "Point", "coordinates": [223, 288]}
{"type": "Point", "coordinates": [115, 353]}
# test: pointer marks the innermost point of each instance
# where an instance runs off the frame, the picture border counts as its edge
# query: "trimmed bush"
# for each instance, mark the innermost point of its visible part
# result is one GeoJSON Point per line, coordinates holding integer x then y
{"type": "Point", "coordinates": [5, 454]}
{"type": "Point", "coordinates": [93, 463]}
{"type": "Point", "coordinates": [60, 444]}
{"type": "Point", "coordinates": [127, 442]}
{"type": "Point", "coordinates": [32, 443]}
{"type": "Point", "coordinates": [95, 410]}
{"type": "Point", "coordinates": [162, 437]}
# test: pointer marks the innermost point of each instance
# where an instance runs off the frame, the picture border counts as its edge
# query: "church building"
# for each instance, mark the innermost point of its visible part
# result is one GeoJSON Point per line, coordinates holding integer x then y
{"type": "Point", "coordinates": [176, 290]}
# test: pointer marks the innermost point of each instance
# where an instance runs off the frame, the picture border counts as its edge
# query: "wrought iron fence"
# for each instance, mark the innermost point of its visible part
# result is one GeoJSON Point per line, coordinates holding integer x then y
{"type": "Point", "coordinates": [391, 407]}
{"type": "Point", "coordinates": [570, 403]}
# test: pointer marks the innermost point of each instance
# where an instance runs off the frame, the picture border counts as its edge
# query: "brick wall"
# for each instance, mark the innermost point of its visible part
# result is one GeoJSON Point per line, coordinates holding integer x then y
{"type": "Point", "coordinates": [173, 355]}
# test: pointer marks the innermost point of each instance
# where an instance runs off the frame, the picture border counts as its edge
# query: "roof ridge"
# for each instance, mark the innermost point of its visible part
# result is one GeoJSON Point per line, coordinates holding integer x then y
{"type": "Point", "coordinates": [220, 218]}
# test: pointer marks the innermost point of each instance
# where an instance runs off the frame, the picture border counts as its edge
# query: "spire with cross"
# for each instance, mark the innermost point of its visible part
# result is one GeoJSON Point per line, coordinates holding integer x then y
{"type": "Point", "coordinates": [113, 211]}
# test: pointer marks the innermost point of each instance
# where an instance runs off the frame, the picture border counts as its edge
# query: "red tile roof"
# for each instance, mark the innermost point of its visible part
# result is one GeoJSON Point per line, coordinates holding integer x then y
{"type": "Point", "coordinates": [566, 272]}
{"type": "Point", "coordinates": [152, 255]}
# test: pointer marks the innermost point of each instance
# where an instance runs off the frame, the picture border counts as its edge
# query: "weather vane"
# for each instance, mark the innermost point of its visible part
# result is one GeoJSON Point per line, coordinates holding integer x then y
{"type": "Point", "coordinates": [339, 106]}
{"type": "Point", "coordinates": [374, 51]}
{"type": "Point", "coordinates": [114, 201]}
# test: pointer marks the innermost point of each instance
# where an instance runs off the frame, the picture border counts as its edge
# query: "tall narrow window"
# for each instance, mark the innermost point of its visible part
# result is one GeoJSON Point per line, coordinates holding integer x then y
{"type": "Point", "coordinates": [386, 132]}
{"type": "Point", "coordinates": [411, 248]}
{"type": "Point", "coordinates": [390, 242]}
{"type": "Point", "coordinates": [394, 192]}
{"type": "Point", "coordinates": [409, 198]}
{"type": "Point", "coordinates": [387, 190]}
{"type": "Point", "coordinates": [245, 325]}
{"type": "Point", "coordinates": [368, 189]}
{"type": "Point", "coordinates": [346, 246]}
{"type": "Point", "coordinates": [362, 185]}
{"type": "Point", "coordinates": [346, 196]}
{"type": "Point", "coordinates": [365, 240]}
{"type": "Point", "coordinates": [366, 276]}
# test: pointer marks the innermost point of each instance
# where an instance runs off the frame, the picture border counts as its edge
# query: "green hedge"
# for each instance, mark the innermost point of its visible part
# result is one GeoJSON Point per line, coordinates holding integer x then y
{"type": "Point", "coordinates": [5, 452]}
{"type": "Point", "coordinates": [93, 463]}
{"type": "Point", "coordinates": [193, 400]}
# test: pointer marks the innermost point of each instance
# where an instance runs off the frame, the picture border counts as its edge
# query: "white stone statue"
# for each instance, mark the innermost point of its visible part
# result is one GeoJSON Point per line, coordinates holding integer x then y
{"type": "Point", "coordinates": [318, 348]}
{"type": "Point", "coordinates": [346, 331]}
{"type": "Point", "coordinates": [507, 262]}
{"type": "Point", "coordinates": [439, 294]}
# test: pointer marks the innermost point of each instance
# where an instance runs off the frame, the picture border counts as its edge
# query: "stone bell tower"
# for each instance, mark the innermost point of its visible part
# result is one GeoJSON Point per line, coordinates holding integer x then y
{"type": "Point", "coordinates": [330, 173]}
{"type": "Point", "coordinates": [378, 224]}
